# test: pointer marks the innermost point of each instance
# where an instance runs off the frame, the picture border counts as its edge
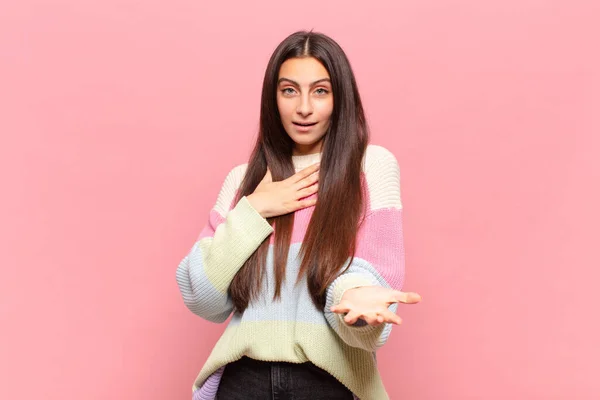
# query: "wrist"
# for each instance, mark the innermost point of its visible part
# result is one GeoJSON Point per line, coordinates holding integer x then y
{"type": "Point", "coordinates": [256, 205]}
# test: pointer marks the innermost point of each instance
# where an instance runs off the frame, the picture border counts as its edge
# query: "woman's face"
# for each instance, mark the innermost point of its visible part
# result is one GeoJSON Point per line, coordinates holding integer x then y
{"type": "Point", "coordinates": [304, 97]}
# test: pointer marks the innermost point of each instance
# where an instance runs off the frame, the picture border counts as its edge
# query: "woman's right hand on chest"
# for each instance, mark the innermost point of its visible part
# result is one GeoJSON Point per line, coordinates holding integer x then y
{"type": "Point", "coordinates": [272, 199]}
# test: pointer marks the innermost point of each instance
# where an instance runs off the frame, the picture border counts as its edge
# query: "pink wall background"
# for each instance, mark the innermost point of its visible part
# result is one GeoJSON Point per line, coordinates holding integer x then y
{"type": "Point", "coordinates": [120, 119]}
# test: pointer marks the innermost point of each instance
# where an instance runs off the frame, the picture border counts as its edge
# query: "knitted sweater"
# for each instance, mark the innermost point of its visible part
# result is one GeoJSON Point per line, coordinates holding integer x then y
{"type": "Point", "coordinates": [292, 329]}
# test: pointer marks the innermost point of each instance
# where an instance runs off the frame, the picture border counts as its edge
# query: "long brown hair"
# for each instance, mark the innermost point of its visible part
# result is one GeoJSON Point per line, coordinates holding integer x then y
{"type": "Point", "coordinates": [331, 234]}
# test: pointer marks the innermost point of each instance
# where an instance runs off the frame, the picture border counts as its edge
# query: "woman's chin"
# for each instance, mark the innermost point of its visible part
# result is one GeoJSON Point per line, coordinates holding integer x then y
{"type": "Point", "coordinates": [308, 144]}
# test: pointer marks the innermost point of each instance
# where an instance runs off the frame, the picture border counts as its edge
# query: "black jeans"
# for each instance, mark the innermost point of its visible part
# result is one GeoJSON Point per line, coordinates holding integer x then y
{"type": "Point", "coordinates": [249, 379]}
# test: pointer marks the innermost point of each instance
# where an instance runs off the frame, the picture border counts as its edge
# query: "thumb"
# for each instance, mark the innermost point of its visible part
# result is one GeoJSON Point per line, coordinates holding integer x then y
{"type": "Point", "coordinates": [408, 297]}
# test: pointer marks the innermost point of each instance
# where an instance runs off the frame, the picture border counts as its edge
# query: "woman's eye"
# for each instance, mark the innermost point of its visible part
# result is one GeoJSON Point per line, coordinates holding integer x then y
{"type": "Point", "coordinates": [291, 91]}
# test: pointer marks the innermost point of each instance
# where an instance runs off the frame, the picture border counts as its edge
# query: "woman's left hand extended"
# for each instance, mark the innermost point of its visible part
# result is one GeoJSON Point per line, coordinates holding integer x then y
{"type": "Point", "coordinates": [371, 304]}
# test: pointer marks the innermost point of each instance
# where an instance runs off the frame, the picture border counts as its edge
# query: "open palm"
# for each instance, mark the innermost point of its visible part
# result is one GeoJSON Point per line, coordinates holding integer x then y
{"type": "Point", "coordinates": [371, 304]}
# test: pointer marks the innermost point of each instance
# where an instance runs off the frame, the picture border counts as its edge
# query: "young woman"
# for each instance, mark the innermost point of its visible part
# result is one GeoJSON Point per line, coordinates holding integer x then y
{"type": "Point", "coordinates": [304, 244]}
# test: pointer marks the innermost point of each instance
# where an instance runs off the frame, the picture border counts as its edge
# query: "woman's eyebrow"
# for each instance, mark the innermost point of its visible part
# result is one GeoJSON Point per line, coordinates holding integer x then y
{"type": "Point", "coordinates": [297, 84]}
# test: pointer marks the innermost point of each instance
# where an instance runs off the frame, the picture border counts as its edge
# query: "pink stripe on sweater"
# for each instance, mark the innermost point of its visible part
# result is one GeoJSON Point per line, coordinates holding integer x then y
{"type": "Point", "coordinates": [301, 217]}
{"type": "Point", "coordinates": [380, 241]}
{"type": "Point", "coordinates": [214, 220]}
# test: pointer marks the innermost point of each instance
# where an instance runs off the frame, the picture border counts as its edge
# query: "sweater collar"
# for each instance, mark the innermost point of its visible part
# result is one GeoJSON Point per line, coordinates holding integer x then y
{"type": "Point", "coordinates": [305, 160]}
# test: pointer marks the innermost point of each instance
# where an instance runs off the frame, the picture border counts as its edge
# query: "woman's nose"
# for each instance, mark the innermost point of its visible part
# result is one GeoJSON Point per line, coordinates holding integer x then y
{"type": "Point", "coordinates": [305, 106]}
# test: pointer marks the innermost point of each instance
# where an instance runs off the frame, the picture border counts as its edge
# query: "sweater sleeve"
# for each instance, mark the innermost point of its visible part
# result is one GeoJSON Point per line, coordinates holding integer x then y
{"type": "Point", "coordinates": [379, 257]}
{"type": "Point", "coordinates": [226, 242]}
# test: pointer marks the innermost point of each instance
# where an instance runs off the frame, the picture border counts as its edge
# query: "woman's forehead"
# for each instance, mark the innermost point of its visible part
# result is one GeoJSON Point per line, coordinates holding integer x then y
{"type": "Point", "coordinates": [304, 71]}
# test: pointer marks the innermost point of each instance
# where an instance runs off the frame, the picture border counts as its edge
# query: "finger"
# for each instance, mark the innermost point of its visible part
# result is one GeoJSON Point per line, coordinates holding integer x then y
{"type": "Point", "coordinates": [305, 203]}
{"type": "Point", "coordinates": [340, 308]}
{"type": "Point", "coordinates": [352, 317]}
{"type": "Point", "coordinates": [390, 317]}
{"type": "Point", "coordinates": [379, 320]}
{"type": "Point", "coordinates": [298, 176]}
{"type": "Point", "coordinates": [308, 191]}
{"type": "Point", "coordinates": [307, 182]}
{"type": "Point", "coordinates": [407, 297]}
{"type": "Point", "coordinates": [372, 319]}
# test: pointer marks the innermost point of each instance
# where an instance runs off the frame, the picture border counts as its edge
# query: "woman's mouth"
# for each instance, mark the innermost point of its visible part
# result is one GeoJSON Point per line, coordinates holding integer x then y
{"type": "Point", "coordinates": [304, 126]}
